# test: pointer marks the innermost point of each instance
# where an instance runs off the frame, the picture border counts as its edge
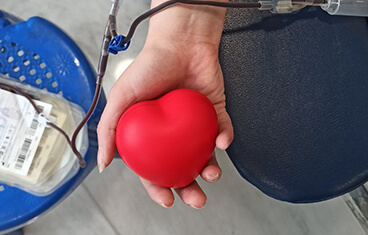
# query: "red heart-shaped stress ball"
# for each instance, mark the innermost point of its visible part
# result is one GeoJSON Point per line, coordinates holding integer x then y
{"type": "Point", "coordinates": [168, 141]}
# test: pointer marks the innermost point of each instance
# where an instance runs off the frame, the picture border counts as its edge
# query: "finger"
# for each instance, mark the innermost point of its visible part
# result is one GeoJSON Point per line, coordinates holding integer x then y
{"type": "Point", "coordinates": [161, 195]}
{"type": "Point", "coordinates": [226, 132]}
{"type": "Point", "coordinates": [212, 171]}
{"type": "Point", "coordinates": [192, 195]}
{"type": "Point", "coordinates": [120, 98]}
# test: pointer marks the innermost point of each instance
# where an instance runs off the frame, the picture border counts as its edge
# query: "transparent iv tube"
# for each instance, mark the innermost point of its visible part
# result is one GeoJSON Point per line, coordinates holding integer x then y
{"type": "Point", "coordinates": [346, 7]}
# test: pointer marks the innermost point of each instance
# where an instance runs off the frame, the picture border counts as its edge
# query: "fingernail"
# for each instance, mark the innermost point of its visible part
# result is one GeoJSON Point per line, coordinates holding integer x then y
{"type": "Point", "coordinates": [196, 207]}
{"type": "Point", "coordinates": [213, 177]}
{"type": "Point", "coordinates": [101, 165]}
{"type": "Point", "coordinates": [164, 205]}
{"type": "Point", "coordinates": [101, 168]}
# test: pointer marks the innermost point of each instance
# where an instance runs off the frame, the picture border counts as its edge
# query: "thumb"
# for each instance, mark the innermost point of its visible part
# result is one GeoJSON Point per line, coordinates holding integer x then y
{"type": "Point", "coordinates": [120, 98]}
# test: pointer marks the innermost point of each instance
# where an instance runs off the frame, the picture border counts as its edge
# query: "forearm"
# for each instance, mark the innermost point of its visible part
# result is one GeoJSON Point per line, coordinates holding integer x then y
{"type": "Point", "coordinates": [187, 24]}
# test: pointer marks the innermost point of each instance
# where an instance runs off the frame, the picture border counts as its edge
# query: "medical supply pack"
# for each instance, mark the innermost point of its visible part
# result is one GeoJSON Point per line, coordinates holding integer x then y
{"type": "Point", "coordinates": [33, 156]}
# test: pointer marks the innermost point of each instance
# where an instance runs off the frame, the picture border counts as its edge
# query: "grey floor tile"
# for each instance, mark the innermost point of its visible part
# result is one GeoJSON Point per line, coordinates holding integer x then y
{"type": "Point", "coordinates": [233, 207]}
{"type": "Point", "coordinates": [77, 215]}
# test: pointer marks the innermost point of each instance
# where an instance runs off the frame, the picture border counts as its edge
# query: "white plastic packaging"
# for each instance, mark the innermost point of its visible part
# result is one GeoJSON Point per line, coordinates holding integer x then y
{"type": "Point", "coordinates": [346, 7]}
{"type": "Point", "coordinates": [54, 162]}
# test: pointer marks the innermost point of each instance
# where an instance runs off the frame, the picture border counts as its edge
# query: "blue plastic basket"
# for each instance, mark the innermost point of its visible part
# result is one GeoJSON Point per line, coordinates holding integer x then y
{"type": "Point", "coordinates": [40, 54]}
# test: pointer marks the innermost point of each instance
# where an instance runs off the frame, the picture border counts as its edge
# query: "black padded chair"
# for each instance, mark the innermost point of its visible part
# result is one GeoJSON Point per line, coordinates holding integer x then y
{"type": "Point", "coordinates": [297, 93]}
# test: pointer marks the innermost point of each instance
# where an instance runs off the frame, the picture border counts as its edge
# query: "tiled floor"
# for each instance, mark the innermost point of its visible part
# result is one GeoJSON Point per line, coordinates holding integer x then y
{"type": "Point", "coordinates": [115, 202]}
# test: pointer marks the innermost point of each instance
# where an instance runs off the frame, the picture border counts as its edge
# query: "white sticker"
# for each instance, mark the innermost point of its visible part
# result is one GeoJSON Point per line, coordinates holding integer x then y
{"type": "Point", "coordinates": [20, 131]}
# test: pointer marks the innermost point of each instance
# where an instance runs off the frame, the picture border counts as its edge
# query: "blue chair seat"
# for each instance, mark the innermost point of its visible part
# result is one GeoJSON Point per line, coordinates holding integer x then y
{"type": "Point", "coordinates": [40, 54]}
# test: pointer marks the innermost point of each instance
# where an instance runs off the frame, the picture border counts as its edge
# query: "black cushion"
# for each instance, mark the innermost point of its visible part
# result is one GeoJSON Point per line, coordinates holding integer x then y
{"type": "Point", "coordinates": [297, 93]}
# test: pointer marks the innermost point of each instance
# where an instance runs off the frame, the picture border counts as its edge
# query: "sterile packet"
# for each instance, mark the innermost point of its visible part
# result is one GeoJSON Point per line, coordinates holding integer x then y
{"type": "Point", "coordinates": [33, 156]}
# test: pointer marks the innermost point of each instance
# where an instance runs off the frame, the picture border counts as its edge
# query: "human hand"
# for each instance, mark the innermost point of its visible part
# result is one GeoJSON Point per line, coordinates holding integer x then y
{"type": "Point", "coordinates": [177, 54]}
